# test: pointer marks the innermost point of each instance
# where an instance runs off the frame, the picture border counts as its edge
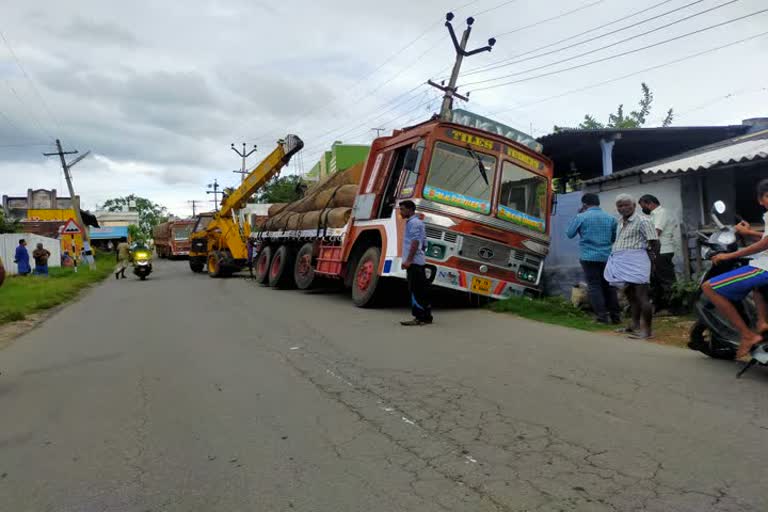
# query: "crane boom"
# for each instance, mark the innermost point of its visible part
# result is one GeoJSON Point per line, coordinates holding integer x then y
{"type": "Point", "coordinates": [260, 174]}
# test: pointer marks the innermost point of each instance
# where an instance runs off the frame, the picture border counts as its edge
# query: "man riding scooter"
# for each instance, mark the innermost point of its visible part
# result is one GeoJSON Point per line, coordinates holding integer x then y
{"type": "Point", "coordinates": [735, 285]}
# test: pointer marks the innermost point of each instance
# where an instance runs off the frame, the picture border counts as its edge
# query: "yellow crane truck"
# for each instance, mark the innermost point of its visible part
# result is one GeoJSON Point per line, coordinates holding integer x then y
{"type": "Point", "coordinates": [225, 238]}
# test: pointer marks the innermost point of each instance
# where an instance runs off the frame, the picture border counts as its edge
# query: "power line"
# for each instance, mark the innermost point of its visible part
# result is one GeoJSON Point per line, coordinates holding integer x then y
{"type": "Point", "coordinates": [589, 52]}
{"type": "Point", "coordinates": [611, 57]}
{"type": "Point", "coordinates": [634, 73]}
{"type": "Point", "coordinates": [31, 82]}
{"type": "Point", "coordinates": [569, 38]}
{"type": "Point", "coordinates": [496, 7]}
{"type": "Point", "coordinates": [33, 115]}
{"type": "Point", "coordinates": [556, 17]}
{"type": "Point", "coordinates": [514, 60]}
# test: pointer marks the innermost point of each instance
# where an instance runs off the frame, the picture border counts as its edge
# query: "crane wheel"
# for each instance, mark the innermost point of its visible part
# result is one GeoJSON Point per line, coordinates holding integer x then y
{"type": "Point", "coordinates": [196, 264]}
{"type": "Point", "coordinates": [214, 264]}
{"type": "Point", "coordinates": [281, 268]}
{"type": "Point", "coordinates": [303, 271]}
{"type": "Point", "coordinates": [261, 272]}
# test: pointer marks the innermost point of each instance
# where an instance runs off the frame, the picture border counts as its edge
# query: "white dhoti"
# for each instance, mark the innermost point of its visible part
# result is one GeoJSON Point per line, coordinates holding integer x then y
{"type": "Point", "coordinates": [632, 266]}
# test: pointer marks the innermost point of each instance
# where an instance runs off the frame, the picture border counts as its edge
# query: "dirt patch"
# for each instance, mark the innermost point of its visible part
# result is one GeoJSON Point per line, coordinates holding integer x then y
{"type": "Point", "coordinates": [11, 331]}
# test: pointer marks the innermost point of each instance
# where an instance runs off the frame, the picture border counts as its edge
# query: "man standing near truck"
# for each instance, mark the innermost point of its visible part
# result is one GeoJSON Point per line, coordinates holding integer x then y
{"type": "Point", "coordinates": [414, 262]}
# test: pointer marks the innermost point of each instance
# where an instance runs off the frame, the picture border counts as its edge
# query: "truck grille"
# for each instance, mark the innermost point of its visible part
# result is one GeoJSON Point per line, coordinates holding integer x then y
{"type": "Point", "coordinates": [485, 251]}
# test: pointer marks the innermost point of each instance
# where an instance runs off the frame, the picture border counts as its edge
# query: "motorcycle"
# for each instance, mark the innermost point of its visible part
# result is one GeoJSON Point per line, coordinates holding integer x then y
{"type": "Point", "coordinates": [142, 263]}
{"type": "Point", "coordinates": [712, 334]}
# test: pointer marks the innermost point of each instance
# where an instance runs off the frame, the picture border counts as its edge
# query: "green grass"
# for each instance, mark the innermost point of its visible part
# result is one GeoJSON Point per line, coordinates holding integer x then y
{"type": "Point", "coordinates": [552, 310]}
{"type": "Point", "coordinates": [20, 296]}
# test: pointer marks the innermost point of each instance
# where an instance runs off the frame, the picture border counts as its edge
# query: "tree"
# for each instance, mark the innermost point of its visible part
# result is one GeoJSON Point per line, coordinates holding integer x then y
{"type": "Point", "coordinates": [8, 225]}
{"type": "Point", "coordinates": [150, 214]}
{"type": "Point", "coordinates": [282, 189]}
{"type": "Point", "coordinates": [619, 119]}
{"type": "Point", "coordinates": [134, 233]}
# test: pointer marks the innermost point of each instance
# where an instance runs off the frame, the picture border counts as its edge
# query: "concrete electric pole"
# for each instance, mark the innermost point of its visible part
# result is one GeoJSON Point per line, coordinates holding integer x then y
{"type": "Point", "coordinates": [461, 52]}
{"type": "Point", "coordinates": [378, 131]}
{"type": "Point", "coordinates": [215, 192]}
{"type": "Point", "coordinates": [194, 203]}
{"type": "Point", "coordinates": [67, 166]}
{"type": "Point", "coordinates": [243, 155]}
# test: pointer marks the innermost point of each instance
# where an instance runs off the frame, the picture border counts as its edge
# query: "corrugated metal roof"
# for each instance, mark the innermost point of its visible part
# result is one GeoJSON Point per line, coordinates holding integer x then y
{"type": "Point", "coordinates": [744, 151]}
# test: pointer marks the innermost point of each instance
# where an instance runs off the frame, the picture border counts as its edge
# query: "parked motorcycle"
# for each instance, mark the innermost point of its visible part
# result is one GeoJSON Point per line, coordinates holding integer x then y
{"type": "Point", "coordinates": [712, 334]}
{"type": "Point", "coordinates": [142, 263]}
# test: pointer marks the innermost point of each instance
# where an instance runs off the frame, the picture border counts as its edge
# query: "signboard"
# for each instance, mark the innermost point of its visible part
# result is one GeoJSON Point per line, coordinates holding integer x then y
{"type": "Point", "coordinates": [483, 123]}
{"type": "Point", "coordinates": [71, 228]}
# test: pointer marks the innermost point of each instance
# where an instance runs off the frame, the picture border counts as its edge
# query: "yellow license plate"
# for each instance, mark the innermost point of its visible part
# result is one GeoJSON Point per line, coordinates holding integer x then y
{"type": "Point", "coordinates": [481, 285]}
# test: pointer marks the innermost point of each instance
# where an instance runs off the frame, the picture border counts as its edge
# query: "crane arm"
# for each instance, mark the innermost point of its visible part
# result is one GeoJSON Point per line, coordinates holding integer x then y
{"type": "Point", "coordinates": [260, 174]}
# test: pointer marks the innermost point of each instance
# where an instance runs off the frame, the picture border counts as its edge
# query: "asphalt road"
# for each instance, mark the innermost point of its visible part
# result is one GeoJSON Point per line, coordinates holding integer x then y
{"type": "Point", "coordinates": [185, 393]}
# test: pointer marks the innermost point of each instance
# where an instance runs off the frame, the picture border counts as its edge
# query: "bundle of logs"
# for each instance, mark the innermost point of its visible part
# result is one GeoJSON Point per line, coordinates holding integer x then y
{"type": "Point", "coordinates": [328, 204]}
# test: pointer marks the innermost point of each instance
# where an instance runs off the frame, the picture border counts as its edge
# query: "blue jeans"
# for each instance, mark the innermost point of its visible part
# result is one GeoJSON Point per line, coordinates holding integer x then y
{"type": "Point", "coordinates": [41, 270]}
{"type": "Point", "coordinates": [602, 296]}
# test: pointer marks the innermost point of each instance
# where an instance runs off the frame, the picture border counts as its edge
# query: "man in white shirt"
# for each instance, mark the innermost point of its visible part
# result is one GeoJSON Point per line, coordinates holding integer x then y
{"type": "Point", "coordinates": [735, 285]}
{"type": "Point", "coordinates": [664, 270]}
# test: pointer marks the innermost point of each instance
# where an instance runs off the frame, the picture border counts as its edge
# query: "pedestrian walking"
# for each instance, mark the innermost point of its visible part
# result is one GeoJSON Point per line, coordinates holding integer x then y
{"type": "Point", "coordinates": [629, 266]}
{"type": "Point", "coordinates": [41, 255]}
{"type": "Point", "coordinates": [414, 261]}
{"type": "Point", "coordinates": [21, 258]}
{"type": "Point", "coordinates": [597, 232]}
{"type": "Point", "coordinates": [123, 256]}
{"type": "Point", "coordinates": [667, 226]}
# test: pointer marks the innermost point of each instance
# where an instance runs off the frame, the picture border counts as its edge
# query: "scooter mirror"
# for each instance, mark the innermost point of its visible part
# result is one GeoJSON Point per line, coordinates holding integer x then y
{"type": "Point", "coordinates": [719, 207]}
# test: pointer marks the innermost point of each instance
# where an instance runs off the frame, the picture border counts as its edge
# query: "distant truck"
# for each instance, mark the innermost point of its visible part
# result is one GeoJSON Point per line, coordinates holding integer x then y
{"type": "Point", "coordinates": [172, 238]}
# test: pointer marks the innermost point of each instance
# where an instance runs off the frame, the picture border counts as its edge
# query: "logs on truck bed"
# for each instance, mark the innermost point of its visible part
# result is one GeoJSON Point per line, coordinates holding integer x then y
{"type": "Point", "coordinates": [276, 208]}
{"type": "Point", "coordinates": [316, 219]}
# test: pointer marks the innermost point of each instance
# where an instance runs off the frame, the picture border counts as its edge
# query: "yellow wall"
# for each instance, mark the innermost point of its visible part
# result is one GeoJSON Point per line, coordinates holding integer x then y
{"type": "Point", "coordinates": [59, 214]}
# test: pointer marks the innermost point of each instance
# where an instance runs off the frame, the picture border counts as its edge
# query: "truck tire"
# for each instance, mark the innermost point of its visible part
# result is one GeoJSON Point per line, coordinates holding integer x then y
{"type": "Point", "coordinates": [303, 271]}
{"type": "Point", "coordinates": [261, 272]}
{"type": "Point", "coordinates": [214, 264]}
{"type": "Point", "coordinates": [365, 282]}
{"type": "Point", "coordinates": [196, 264]}
{"type": "Point", "coordinates": [281, 268]}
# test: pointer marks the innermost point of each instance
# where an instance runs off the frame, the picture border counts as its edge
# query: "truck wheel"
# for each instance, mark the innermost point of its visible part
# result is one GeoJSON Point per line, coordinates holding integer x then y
{"type": "Point", "coordinates": [214, 264]}
{"type": "Point", "coordinates": [196, 264]}
{"type": "Point", "coordinates": [261, 272]}
{"type": "Point", "coordinates": [280, 270]}
{"type": "Point", "coordinates": [303, 272]}
{"type": "Point", "coordinates": [366, 278]}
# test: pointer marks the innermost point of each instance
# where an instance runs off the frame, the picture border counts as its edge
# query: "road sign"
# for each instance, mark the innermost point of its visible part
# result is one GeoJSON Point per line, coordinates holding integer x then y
{"type": "Point", "coordinates": [71, 228]}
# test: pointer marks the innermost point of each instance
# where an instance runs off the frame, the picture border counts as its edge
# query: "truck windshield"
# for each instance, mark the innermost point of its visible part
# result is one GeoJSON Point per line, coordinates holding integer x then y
{"type": "Point", "coordinates": [182, 232]}
{"type": "Point", "coordinates": [456, 178]}
{"type": "Point", "coordinates": [523, 197]}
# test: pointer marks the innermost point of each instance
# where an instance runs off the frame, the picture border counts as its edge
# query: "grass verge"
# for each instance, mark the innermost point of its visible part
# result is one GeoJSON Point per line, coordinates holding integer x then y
{"type": "Point", "coordinates": [668, 330]}
{"type": "Point", "coordinates": [20, 296]}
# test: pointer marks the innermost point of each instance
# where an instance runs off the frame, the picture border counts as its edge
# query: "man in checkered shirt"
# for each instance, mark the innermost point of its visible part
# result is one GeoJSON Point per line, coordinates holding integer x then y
{"type": "Point", "coordinates": [629, 266]}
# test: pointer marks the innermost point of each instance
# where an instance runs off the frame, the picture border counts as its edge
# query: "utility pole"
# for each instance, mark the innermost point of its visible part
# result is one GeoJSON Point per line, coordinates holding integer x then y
{"type": "Point", "coordinates": [242, 172]}
{"type": "Point", "coordinates": [67, 166]}
{"type": "Point", "coordinates": [378, 131]}
{"type": "Point", "coordinates": [461, 51]}
{"type": "Point", "coordinates": [215, 192]}
{"type": "Point", "coordinates": [194, 203]}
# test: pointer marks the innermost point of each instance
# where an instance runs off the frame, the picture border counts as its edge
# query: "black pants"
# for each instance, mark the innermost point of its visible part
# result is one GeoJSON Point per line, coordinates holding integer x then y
{"type": "Point", "coordinates": [418, 286]}
{"type": "Point", "coordinates": [602, 296]}
{"type": "Point", "coordinates": [662, 280]}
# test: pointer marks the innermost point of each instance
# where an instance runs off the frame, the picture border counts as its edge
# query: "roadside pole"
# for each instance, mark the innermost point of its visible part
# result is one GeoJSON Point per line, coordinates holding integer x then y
{"type": "Point", "coordinates": [67, 166]}
{"type": "Point", "coordinates": [451, 90]}
{"type": "Point", "coordinates": [243, 155]}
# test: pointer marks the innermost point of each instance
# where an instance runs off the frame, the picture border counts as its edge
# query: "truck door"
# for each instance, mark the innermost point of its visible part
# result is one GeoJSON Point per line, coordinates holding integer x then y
{"type": "Point", "coordinates": [405, 165]}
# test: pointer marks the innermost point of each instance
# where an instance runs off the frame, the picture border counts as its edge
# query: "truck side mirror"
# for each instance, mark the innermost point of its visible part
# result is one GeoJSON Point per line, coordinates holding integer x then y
{"type": "Point", "coordinates": [411, 159]}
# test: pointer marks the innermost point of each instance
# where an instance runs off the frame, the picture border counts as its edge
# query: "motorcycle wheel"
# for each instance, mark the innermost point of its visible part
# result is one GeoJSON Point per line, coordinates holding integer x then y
{"type": "Point", "coordinates": [143, 277]}
{"type": "Point", "coordinates": [700, 338]}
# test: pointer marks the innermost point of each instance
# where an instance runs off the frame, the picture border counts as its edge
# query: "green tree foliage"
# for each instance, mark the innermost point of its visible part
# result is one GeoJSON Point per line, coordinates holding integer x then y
{"type": "Point", "coordinates": [621, 119]}
{"type": "Point", "coordinates": [8, 225]}
{"type": "Point", "coordinates": [135, 233]}
{"type": "Point", "coordinates": [282, 189]}
{"type": "Point", "coordinates": [150, 214]}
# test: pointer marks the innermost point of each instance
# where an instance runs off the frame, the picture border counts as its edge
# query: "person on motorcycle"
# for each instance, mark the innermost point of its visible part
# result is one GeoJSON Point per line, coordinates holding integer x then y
{"type": "Point", "coordinates": [735, 285]}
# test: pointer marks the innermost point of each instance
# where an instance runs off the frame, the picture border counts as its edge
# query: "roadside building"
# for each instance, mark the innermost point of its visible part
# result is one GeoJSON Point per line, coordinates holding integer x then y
{"type": "Point", "coordinates": [44, 213]}
{"type": "Point", "coordinates": [643, 161]}
{"type": "Point", "coordinates": [339, 158]}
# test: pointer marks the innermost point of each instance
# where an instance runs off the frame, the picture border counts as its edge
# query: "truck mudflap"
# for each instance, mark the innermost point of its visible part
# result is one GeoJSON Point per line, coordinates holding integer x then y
{"type": "Point", "coordinates": [461, 280]}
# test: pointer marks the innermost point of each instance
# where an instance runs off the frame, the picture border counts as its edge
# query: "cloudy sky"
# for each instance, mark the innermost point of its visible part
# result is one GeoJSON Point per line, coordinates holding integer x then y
{"type": "Point", "coordinates": [158, 90]}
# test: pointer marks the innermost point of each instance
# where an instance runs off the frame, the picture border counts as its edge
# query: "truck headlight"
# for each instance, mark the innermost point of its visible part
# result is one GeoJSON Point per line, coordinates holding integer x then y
{"type": "Point", "coordinates": [436, 251]}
